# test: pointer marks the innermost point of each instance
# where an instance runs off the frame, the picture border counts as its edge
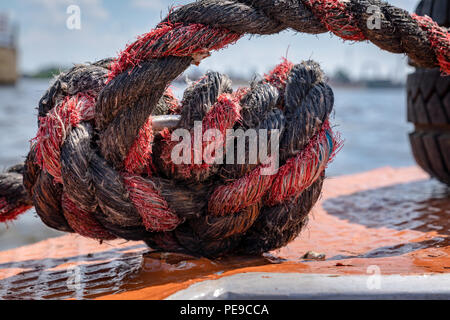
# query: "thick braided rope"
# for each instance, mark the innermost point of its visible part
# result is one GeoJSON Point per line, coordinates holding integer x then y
{"type": "Point", "coordinates": [98, 167]}
{"type": "Point", "coordinates": [147, 196]}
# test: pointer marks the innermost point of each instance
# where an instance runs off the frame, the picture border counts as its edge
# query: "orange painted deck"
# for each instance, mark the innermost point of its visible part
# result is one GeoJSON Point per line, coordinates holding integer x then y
{"type": "Point", "coordinates": [394, 219]}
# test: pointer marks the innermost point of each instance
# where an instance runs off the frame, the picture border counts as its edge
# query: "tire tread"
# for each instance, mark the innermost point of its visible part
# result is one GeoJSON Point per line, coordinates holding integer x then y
{"type": "Point", "coordinates": [432, 153]}
{"type": "Point", "coordinates": [429, 106]}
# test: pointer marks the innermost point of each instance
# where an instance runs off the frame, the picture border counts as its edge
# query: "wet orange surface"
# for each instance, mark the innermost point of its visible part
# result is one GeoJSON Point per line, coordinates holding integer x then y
{"type": "Point", "coordinates": [396, 220]}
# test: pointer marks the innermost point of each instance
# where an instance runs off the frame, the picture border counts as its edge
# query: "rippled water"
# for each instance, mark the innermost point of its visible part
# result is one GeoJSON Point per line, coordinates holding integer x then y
{"type": "Point", "coordinates": [372, 123]}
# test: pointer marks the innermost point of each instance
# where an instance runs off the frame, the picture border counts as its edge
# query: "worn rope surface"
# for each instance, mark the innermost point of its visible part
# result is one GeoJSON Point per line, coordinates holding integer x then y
{"type": "Point", "coordinates": [100, 164]}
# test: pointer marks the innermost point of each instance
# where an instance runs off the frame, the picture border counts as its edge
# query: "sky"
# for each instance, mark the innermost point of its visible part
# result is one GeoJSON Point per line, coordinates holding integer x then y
{"type": "Point", "coordinates": [107, 26]}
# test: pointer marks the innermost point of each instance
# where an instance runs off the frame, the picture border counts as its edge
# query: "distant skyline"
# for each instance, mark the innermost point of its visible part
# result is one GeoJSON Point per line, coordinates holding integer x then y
{"type": "Point", "coordinates": [108, 25]}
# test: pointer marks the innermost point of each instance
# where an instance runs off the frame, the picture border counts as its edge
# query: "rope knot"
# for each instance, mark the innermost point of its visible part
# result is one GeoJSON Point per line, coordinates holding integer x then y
{"type": "Point", "coordinates": [103, 161]}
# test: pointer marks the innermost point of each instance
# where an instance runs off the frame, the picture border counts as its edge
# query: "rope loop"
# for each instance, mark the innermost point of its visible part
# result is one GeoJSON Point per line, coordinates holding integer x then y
{"type": "Point", "coordinates": [104, 162]}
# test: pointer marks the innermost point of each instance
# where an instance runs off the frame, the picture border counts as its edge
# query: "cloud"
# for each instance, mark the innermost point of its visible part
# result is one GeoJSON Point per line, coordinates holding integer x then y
{"type": "Point", "coordinates": [157, 5]}
{"type": "Point", "coordinates": [45, 39]}
{"type": "Point", "coordinates": [149, 4]}
{"type": "Point", "coordinates": [52, 12]}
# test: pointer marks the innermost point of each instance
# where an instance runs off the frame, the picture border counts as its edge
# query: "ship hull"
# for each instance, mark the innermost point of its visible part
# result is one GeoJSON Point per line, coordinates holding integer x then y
{"type": "Point", "coordinates": [8, 66]}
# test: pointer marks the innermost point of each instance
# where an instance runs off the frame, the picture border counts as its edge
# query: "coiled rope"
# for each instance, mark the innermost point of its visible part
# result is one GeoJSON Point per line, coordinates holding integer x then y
{"type": "Point", "coordinates": [101, 162]}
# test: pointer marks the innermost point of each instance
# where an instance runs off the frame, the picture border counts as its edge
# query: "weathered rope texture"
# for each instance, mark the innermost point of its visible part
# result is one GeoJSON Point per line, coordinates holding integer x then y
{"type": "Point", "coordinates": [101, 162]}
